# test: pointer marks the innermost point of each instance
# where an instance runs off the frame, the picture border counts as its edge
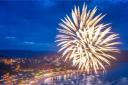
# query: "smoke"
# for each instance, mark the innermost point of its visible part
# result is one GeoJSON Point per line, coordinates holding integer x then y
{"type": "Point", "coordinates": [85, 80]}
{"type": "Point", "coordinates": [95, 80]}
{"type": "Point", "coordinates": [92, 80]}
{"type": "Point", "coordinates": [122, 81]}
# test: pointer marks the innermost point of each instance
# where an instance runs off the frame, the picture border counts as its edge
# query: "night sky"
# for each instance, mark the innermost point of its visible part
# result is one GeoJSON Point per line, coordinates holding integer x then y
{"type": "Point", "coordinates": [31, 24]}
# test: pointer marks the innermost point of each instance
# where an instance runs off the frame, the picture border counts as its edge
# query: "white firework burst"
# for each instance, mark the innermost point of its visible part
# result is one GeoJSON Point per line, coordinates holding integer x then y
{"type": "Point", "coordinates": [85, 41]}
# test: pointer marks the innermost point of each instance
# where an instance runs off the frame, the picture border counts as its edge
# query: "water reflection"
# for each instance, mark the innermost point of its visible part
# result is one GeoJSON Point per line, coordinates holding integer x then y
{"type": "Point", "coordinates": [69, 79]}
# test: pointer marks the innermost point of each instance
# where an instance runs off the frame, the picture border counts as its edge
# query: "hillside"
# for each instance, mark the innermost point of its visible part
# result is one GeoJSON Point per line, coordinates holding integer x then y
{"type": "Point", "coordinates": [123, 56]}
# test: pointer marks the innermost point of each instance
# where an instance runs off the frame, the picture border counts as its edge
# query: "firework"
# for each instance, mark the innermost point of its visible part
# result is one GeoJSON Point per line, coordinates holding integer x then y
{"type": "Point", "coordinates": [85, 41]}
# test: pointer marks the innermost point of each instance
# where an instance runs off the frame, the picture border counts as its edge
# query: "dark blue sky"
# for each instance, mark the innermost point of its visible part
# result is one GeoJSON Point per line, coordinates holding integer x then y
{"type": "Point", "coordinates": [31, 24]}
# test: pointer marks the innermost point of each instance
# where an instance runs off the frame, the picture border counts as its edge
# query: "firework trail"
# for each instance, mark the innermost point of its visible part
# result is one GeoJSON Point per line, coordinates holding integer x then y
{"type": "Point", "coordinates": [85, 41]}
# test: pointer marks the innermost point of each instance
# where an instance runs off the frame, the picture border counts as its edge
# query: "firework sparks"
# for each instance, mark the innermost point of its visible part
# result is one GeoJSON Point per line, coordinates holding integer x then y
{"type": "Point", "coordinates": [85, 41]}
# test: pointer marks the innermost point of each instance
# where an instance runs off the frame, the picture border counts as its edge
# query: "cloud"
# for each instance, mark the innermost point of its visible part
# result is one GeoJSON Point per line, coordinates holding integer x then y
{"type": "Point", "coordinates": [103, 4]}
{"type": "Point", "coordinates": [44, 44]}
{"type": "Point", "coordinates": [47, 3]}
{"type": "Point", "coordinates": [10, 37]}
{"type": "Point", "coordinates": [2, 26]}
{"type": "Point", "coordinates": [117, 1]}
{"type": "Point", "coordinates": [29, 43]}
{"type": "Point", "coordinates": [111, 1]}
{"type": "Point", "coordinates": [37, 44]}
